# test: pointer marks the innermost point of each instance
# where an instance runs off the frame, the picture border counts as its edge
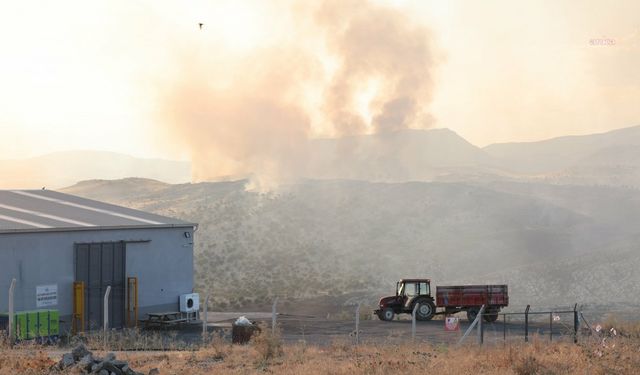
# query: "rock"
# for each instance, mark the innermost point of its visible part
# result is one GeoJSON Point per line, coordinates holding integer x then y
{"type": "Point", "coordinates": [103, 372]}
{"type": "Point", "coordinates": [96, 368]}
{"type": "Point", "coordinates": [66, 361]}
{"type": "Point", "coordinates": [118, 363]}
{"type": "Point", "coordinates": [79, 352]}
{"type": "Point", "coordinates": [154, 371]}
{"type": "Point", "coordinates": [110, 357]}
{"type": "Point", "coordinates": [109, 366]}
{"type": "Point", "coordinates": [86, 362]}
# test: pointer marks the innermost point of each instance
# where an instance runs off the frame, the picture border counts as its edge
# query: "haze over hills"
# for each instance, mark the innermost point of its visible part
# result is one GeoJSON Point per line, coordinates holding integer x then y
{"type": "Point", "coordinates": [558, 154]}
{"type": "Point", "coordinates": [554, 245]}
{"type": "Point", "coordinates": [556, 220]}
{"type": "Point", "coordinates": [407, 155]}
{"type": "Point", "coordinates": [61, 169]}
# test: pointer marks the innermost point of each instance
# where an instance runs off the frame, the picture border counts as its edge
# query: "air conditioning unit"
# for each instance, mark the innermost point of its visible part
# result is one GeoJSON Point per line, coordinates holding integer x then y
{"type": "Point", "coordinates": [189, 302]}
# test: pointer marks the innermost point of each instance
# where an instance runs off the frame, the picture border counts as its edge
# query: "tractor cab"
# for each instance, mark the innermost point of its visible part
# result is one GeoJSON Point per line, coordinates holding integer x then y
{"type": "Point", "coordinates": [409, 293]}
{"type": "Point", "coordinates": [413, 287]}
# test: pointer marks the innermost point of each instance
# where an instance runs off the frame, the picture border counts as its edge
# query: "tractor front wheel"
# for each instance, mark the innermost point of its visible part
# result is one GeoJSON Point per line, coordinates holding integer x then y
{"type": "Point", "coordinates": [386, 314]}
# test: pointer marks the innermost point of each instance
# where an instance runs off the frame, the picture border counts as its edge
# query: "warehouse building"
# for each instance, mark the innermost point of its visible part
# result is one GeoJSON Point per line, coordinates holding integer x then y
{"type": "Point", "coordinates": [64, 251]}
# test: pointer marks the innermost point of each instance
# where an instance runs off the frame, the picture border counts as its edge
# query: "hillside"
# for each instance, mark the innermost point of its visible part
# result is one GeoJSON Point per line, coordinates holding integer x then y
{"type": "Point", "coordinates": [66, 168]}
{"type": "Point", "coordinates": [610, 159]}
{"type": "Point", "coordinates": [557, 154]}
{"type": "Point", "coordinates": [407, 155]}
{"type": "Point", "coordinates": [342, 237]}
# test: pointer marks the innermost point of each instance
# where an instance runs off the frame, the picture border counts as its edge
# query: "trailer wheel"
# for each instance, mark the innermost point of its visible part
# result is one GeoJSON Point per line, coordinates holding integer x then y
{"type": "Point", "coordinates": [386, 314]}
{"type": "Point", "coordinates": [491, 316]}
{"type": "Point", "coordinates": [426, 310]}
{"type": "Point", "coordinates": [472, 313]}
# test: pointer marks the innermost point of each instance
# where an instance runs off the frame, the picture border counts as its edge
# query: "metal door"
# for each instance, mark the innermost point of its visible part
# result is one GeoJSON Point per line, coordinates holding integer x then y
{"type": "Point", "coordinates": [100, 265]}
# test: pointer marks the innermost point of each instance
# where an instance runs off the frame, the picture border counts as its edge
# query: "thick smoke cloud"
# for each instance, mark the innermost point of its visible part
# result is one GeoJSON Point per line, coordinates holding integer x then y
{"type": "Point", "coordinates": [376, 44]}
{"type": "Point", "coordinates": [275, 98]}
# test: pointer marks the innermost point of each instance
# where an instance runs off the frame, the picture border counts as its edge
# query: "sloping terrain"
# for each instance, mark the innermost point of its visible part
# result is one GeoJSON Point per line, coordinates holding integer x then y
{"type": "Point", "coordinates": [407, 155]}
{"type": "Point", "coordinates": [611, 159]}
{"type": "Point", "coordinates": [336, 238]}
{"type": "Point", "coordinates": [558, 154]}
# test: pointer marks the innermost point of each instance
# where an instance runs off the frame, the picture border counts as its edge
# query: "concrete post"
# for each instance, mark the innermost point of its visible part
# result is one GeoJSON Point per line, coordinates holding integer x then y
{"type": "Point", "coordinates": [473, 324]}
{"type": "Point", "coordinates": [204, 321]}
{"type": "Point", "coordinates": [106, 315]}
{"type": "Point", "coordinates": [413, 322]}
{"type": "Point", "coordinates": [480, 337]}
{"type": "Point", "coordinates": [12, 337]}
{"type": "Point", "coordinates": [358, 324]}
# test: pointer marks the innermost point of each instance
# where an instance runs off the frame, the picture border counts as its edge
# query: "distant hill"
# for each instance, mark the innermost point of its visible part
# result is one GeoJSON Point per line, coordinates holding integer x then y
{"type": "Point", "coordinates": [401, 156]}
{"type": "Point", "coordinates": [559, 154]}
{"type": "Point", "coordinates": [65, 168]}
{"type": "Point", "coordinates": [552, 244]}
{"type": "Point", "coordinates": [407, 155]}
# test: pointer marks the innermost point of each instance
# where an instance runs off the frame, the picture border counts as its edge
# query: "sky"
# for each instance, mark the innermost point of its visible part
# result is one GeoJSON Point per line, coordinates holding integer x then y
{"type": "Point", "coordinates": [142, 78]}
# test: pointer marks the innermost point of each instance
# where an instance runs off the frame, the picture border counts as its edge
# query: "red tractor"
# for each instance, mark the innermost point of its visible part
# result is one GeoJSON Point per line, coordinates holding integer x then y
{"type": "Point", "coordinates": [452, 299]}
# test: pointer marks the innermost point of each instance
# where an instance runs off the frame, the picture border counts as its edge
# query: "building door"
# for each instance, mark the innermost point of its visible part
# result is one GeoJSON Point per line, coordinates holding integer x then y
{"type": "Point", "coordinates": [99, 265]}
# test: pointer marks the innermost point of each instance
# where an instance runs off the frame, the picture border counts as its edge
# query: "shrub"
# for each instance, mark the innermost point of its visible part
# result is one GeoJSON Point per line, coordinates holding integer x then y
{"type": "Point", "coordinates": [268, 343]}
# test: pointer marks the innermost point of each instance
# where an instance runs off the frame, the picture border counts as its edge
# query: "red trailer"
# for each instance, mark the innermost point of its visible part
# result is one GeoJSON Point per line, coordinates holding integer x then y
{"type": "Point", "coordinates": [450, 300]}
{"type": "Point", "coordinates": [470, 298]}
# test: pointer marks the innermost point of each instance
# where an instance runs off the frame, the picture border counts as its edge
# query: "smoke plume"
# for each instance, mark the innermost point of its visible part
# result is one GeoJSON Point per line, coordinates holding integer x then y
{"type": "Point", "coordinates": [345, 68]}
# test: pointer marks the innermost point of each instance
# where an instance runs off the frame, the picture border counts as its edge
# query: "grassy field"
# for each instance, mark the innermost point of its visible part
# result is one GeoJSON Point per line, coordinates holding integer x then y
{"type": "Point", "coordinates": [608, 352]}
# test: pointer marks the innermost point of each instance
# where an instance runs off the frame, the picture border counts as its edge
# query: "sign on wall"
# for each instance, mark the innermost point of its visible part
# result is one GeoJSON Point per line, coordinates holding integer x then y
{"type": "Point", "coordinates": [46, 295]}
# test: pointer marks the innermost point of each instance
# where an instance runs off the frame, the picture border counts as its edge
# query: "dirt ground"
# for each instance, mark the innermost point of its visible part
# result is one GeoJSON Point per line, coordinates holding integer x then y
{"type": "Point", "coordinates": [322, 331]}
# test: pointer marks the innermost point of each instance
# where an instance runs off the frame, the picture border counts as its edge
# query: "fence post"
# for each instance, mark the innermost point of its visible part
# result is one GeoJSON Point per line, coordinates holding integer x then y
{"type": "Point", "coordinates": [526, 324]}
{"type": "Point", "coordinates": [504, 328]}
{"type": "Point", "coordinates": [11, 313]}
{"type": "Point", "coordinates": [106, 315]}
{"type": "Point", "coordinates": [551, 326]}
{"type": "Point", "coordinates": [413, 322]}
{"type": "Point", "coordinates": [475, 321]}
{"type": "Point", "coordinates": [205, 320]}
{"type": "Point", "coordinates": [480, 327]}
{"type": "Point", "coordinates": [358, 324]}
{"type": "Point", "coordinates": [273, 316]}
{"type": "Point", "coordinates": [575, 323]}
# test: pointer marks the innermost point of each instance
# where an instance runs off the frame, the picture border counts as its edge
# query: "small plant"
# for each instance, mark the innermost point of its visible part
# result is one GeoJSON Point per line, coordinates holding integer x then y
{"type": "Point", "coordinates": [216, 344]}
{"type": "Point", "coordinates": [4, 340]}
{"type": "Point", "coordinates": [529, 365]}
{"type": "Point", "coordinates": [268, 343]}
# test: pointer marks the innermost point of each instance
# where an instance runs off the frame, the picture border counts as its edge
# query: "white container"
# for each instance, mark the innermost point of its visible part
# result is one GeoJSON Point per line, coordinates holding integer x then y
{"type": "Point", "coordinates": [189, 303]}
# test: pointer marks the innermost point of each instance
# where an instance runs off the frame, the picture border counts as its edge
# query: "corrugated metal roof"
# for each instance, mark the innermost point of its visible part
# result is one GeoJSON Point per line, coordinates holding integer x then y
{"type": "Point", "coordinates": [47, 210]}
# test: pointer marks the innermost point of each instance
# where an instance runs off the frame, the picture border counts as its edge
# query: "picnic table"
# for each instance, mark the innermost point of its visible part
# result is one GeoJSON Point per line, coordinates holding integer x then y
{"type": "Point", "coordinates": [163, 319]}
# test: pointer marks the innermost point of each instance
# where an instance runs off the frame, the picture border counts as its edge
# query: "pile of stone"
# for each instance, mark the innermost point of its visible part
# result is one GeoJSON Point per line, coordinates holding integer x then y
{"type": "Point", "coordinates": [81, 360]}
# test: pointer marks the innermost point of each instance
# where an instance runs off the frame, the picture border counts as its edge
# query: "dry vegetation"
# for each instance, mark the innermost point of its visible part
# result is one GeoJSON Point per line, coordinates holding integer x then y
{"type": "Point", "coordinates": [604, 353]}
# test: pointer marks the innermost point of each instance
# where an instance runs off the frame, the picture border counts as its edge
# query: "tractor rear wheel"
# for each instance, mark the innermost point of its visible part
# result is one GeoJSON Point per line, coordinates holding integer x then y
{"type": "Point", "coordinates": [472, 313]}
{"type": "Point", "coordinates": [386, 314]}
{"type": "Point", "coordinates": [426, 310]}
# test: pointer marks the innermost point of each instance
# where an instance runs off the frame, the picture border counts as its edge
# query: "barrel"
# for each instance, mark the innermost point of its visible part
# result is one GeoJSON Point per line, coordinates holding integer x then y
{"type": "Point", "coordinates": [241, 334]}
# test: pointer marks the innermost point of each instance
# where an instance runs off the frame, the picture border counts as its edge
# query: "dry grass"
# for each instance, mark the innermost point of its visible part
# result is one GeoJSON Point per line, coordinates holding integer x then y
{"type": "Point", "coordinates": [625, 328]}
{"type": "Point", "coordinates": [598, 354]}
{"type": "Point", "coordinates": [132, 339]}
